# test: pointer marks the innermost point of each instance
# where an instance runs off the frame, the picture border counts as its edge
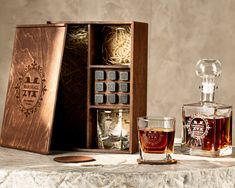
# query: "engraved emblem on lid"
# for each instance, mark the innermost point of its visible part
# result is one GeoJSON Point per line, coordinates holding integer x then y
{"type": "Point", "coordinates": [30, 89]}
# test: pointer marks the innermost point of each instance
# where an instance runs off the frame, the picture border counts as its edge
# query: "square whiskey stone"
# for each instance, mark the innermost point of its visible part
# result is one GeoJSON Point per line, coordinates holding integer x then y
{"type": "Point", "coordinates": [111, 86]}
{"type": "Point", "coordinates": [123, 87]}
{"type": "Point", "coordinates": [99, 86]}
{"type": "Point", "coordinates": [124, 75]}
{"type": "Point", "coordinates": [111, 98]}
{"type": "Point", "coordinates": [111, 75]}
{"type": "Point", "coordinates": [124, 98]}
{"type": "Point", "coordinates": [99, 75]}
{"type": "Point", "coordinates": [99, 98]}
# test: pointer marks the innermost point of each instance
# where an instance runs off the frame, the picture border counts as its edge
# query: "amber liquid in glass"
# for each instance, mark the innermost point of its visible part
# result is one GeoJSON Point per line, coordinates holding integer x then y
{"type": "Point", "coordinates": [219, 134]}
{"type": "Point", "coordinates": [157, 140]}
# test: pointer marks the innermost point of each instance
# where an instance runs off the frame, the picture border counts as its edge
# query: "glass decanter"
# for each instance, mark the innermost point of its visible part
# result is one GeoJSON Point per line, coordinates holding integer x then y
{"type": "Point", "coordinates": [207, 126]}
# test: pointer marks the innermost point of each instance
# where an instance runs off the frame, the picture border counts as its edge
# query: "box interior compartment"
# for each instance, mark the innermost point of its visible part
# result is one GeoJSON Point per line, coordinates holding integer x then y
{"type": "Point", "coordinates": [70, 114]}
{"type": "Point", "coordinates": [110, 44]}
{"type": "Point", "coordinates": [107, 41]}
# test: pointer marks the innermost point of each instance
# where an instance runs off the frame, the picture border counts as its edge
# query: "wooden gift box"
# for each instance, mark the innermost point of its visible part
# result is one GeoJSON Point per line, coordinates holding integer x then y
{"type": "Point", "coordinates": [50, 98]}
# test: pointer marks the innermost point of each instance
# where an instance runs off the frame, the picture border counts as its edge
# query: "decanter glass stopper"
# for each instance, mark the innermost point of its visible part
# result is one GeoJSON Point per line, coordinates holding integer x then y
{"type": "Point", "coordinates": [208, 69]}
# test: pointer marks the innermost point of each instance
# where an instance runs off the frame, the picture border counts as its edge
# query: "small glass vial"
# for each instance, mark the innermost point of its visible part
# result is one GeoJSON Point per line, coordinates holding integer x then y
{"type": "Point", "coordinates": [207, 126]}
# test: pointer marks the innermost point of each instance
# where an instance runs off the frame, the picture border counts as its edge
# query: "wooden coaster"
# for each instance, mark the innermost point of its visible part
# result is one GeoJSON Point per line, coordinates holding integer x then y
{"type": "Point", "coordinates": [157, 162]}
{"type": "Point", "coordinates": [73, 159]}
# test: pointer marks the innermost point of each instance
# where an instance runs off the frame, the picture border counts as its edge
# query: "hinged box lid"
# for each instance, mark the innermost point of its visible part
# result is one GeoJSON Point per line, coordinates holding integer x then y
{"type": "Point", "coordinates": [32, 89]}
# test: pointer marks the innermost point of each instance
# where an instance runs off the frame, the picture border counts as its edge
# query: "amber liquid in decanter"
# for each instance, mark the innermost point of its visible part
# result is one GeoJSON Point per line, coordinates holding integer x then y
{"type": "Point", "coordinates": [219, 134]}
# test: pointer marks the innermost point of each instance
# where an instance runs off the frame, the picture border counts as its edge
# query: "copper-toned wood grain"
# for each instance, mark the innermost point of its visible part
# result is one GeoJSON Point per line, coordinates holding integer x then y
{"type": "Point", "coordinates": [102, 150]}
{"type": "Point", "coordinates": [75, 122]}
{"type": "Point", "coordinates": [91, 58]}
{"type": "Point", "coordinates": [110, 66]}
{"type": "Point", "coordinates": [138, 79]}
{"type": "Point", "coordinates": [30, 129]}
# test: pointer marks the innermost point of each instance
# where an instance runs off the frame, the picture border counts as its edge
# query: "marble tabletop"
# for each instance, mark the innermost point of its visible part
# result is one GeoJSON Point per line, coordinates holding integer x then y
{"type": "Point", "coordinates": [25, 169]}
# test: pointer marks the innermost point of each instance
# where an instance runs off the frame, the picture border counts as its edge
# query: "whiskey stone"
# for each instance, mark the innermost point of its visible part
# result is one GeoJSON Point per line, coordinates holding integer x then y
{"type": "Point", "coordinates": [99, 75]}
{"type": "Point", "coordinates": [111, 75]}
{"type": "Point", "coordinates": [124, 75]}
{"type": "Point", "coordinates": [111, 98]}
{"type": "Point", "coordinates": [99, 98]}
{"type": "Point", "coordinates": [99, 86]}
{"type": "Point", "coordinates": [111, 86]}
{"type": "Point", "coordinates": [123, 87]}
{"type": "Point", "coordinates": [124, 98]}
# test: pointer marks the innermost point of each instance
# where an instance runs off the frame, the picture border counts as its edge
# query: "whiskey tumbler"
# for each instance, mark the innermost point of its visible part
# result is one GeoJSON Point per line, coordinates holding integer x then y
{"type": "Point", "coordinates": [156, 138]}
